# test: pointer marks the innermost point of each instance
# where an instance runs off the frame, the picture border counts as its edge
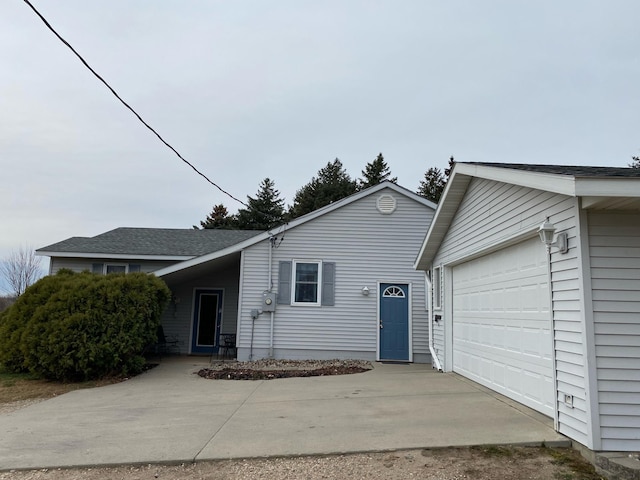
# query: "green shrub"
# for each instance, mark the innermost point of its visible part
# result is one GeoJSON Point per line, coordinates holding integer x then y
{"type": "Point", "coordinates": [81, 326]}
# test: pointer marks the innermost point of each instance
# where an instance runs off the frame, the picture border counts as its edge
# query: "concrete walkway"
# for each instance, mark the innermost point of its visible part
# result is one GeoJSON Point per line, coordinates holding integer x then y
{"type": "Point", "coordinates": [171, 415]}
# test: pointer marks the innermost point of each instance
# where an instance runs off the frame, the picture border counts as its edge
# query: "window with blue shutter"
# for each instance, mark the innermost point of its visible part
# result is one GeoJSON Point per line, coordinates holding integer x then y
{"type": "Point", "coordinates": [306, 282]}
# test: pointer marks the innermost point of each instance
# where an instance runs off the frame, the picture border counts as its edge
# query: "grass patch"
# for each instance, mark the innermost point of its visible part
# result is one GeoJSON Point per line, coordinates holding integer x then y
{"type": "Point", "coordinates": [493, 451]}
{"type": "Point", "coordinates": [8, 379]}
{"type": "Point", "coordinates": [578, 468]}
{"type": "Point", "coordinates": [15, 387]}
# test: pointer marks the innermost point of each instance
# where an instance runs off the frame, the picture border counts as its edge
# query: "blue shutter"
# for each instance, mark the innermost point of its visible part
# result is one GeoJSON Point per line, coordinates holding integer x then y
{"type": "Point", "coordinates": [328, 284]}
{"type": "Point", "coordinates": [284, 283]}
{"type": "Point", "coordinates": [97, 268]}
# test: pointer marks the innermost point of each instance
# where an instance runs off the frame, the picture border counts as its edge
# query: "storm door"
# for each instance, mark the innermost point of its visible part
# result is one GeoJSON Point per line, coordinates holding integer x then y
{"type": "Point", "coordinates": [207, 319]}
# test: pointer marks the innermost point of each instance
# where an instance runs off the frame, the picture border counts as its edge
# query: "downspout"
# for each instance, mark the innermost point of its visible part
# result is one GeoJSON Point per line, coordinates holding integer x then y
{"type": "Point", "coordinates": [270, 289]}
{"type": "Point", "coordinates": [253, 324]}
{"type": "Point", "coordinates": [434, 357]}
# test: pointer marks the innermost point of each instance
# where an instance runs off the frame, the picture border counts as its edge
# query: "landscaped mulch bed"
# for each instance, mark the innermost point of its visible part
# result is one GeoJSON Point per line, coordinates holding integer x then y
{"type": "Point", "coordinates": [248, 374]}
{"type": "Point", "coordinates": [272, 369]}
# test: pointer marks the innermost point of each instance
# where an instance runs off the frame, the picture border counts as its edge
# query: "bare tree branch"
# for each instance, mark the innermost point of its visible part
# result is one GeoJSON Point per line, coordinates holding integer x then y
{"type": "Point", "coordinates": [20, 269]}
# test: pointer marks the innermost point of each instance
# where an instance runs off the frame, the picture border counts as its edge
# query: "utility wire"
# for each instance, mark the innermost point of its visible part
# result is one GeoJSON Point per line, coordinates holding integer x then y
{"type": "Point", "coordinates": [44, 20]}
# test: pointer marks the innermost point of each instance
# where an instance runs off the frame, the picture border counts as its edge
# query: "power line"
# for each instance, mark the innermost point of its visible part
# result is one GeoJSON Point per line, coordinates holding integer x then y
{"type": "Point", "coordinates": [84, 62]}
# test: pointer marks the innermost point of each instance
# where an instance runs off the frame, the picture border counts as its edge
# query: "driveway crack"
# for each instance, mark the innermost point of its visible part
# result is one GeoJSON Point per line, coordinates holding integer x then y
{"type": "Point", "coordinates": [206, 444]}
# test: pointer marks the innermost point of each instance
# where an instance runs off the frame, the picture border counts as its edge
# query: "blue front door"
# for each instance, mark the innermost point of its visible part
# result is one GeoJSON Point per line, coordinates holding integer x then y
{"type": "Point", "coordinates": [394, 321]}
{"type": "Point", "coordinates": [207, 315]}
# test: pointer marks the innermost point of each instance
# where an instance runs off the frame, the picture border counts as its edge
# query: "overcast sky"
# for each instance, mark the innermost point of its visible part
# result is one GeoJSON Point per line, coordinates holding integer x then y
{"type": "Point", "coordinates": [253, 89]}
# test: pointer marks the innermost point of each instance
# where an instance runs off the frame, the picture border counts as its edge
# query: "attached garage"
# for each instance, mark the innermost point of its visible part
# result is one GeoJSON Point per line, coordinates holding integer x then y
{"type": "Point", "coordinates": [556, 330]}
{"type": "Point", "coordinates": [502, 326]}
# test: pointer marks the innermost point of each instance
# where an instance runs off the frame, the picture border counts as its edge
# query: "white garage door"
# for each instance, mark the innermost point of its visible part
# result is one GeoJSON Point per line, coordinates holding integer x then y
{"type": "Point", "coordinates": [501, 324]}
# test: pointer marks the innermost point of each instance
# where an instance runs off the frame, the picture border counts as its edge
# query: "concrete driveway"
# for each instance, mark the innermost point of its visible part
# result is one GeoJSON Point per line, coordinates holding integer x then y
{"type": "Point", "coordinates": [171, 415]}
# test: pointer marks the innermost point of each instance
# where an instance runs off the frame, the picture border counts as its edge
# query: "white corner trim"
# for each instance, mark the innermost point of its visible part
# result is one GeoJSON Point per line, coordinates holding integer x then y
{"type": "Point", "coordinates": [588, 331]}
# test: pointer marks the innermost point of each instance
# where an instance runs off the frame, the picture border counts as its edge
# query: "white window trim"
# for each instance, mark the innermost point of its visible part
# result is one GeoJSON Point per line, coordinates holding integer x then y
{"type": "Point", "coordinates": [107, 265]}
{"type": "Point", "coordinates": [437, 287]}
{"type": "Point", "coordinates": [318, 301]}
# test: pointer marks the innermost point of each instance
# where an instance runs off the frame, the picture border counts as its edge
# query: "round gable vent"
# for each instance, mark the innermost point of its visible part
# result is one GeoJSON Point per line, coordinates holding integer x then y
{"type": "Point", "coordinates": [386, 204]}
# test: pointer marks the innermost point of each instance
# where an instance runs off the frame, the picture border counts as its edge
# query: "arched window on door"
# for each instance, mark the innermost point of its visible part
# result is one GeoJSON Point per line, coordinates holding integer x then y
{"type": "Point", "coordinates": [393, 291]}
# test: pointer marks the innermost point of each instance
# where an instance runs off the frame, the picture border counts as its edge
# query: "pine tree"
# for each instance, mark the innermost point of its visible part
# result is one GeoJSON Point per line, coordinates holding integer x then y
{"type": "Point", "coordinates": [218, 218]}
{"type": "Point", "coordinates": [635, 162]}
{"type": "Point", "coordinates": [433, 185]}
{"type": "Point", "coordinates": [375, 172]}
{"type": "Point", "coordinates": [265, 211]}
{"type": "Point", "coordinates": [333, 183]}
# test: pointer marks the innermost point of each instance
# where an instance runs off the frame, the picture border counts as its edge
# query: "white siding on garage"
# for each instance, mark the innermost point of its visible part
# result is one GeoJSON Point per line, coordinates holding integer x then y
{"type": "Point", "coordinates": [367, 247]}
{"type": "Point", "coordinates": [614, 248]}
{"type": "Point", "coordinates": [489, 215]}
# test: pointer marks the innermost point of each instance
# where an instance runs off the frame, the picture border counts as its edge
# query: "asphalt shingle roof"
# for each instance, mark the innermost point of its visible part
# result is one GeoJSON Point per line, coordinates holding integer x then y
{"type": "Point", "coordinates": [573, 170]}
{"type": "Point", "coordinates": [153, 241]}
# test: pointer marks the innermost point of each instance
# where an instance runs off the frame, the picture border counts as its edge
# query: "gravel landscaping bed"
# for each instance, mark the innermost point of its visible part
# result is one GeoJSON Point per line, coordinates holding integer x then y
{"type": "Point", "coordinates": [475, 463]}
{"type": "Point", "coordinates": [268, 369]}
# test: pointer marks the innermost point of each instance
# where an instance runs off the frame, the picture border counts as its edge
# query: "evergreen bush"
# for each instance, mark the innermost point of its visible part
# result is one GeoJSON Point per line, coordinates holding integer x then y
{"type": "Point", "coordinates": [81, 326]}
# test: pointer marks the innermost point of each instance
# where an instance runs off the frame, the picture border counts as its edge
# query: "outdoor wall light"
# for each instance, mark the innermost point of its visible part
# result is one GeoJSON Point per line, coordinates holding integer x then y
{"type": "Point", "coordinates": [546, 231]}
{"type": "Point", "coordinates": [365, 291]}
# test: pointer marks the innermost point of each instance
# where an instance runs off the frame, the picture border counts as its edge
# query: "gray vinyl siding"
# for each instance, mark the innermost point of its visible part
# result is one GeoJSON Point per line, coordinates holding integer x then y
{"type": "Point", "coordinates": [82, 264]}
{"type": "Point", "coordinates": [614, 249]}
{"type": "Point", "coordinates": [367, 247]}
{"type": "Point", "coordinates": [177, 319]}
{"type": "Point", "coordinates": [490, 214]}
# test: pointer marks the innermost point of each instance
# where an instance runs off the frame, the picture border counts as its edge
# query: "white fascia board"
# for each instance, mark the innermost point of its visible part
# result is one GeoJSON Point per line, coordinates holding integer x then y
{"type": "Point", "coordinates": [563, 184]}
{"type": "Point", "coordinates": [118, 256]}
{"type": "Point", "coordinates": [608, 187]}
{"type": "Point", "coordinates": [449, 202]}
{"type": "Point", "coordinates": [408, 193]}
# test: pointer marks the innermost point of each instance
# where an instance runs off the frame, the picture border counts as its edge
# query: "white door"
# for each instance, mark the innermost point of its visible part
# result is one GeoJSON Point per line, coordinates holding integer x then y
{"type": "Point", "coordinates": [501, 324]}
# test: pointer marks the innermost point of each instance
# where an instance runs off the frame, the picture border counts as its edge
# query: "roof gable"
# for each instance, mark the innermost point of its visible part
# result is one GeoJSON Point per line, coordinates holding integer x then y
{"type": "Point", "coordinates": [598, 187]}
{"type": "Point", "coordinates": [296, 222]}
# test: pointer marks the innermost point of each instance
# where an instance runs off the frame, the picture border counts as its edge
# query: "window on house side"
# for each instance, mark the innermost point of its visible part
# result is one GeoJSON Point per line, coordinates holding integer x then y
{"type": "Point", "coordinates": [115, 268]}
{"type": "Point", "coordinates": [307, 282]}
{"type": "Point", "coordinates": [437, 288]}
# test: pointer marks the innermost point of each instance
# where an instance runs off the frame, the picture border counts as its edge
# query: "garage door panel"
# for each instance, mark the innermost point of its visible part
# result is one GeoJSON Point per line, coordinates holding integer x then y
{"type": "Point", "coordinates": [517, 382]}
{"type": "Point", "coordinates": [527, 339]}
{"type": "Point", "coordinates": [507, 356]}
{"type": "Point", "coordinates": [501, 325]}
